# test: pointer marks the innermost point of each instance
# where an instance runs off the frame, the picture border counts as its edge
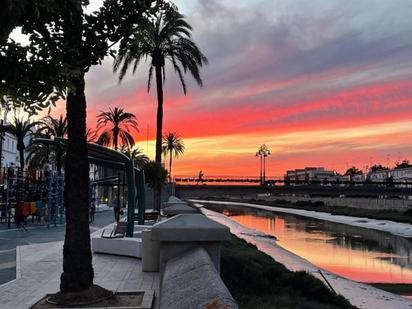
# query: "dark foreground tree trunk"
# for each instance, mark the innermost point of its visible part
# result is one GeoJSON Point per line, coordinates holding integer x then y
{"type": "Point", "coordinates": [159, 124]}
{"type": "Point", "coordinates": [77, 258]}
{"type": "Point", "coordinates": [21, 157]}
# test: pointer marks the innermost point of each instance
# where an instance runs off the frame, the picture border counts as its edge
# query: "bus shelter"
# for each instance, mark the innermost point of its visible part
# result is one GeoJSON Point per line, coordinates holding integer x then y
{"type": "Point", "coordinates": [106, 157]}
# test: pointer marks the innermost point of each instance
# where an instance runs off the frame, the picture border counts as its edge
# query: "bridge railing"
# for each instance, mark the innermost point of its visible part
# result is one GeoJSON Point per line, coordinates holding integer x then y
{"type": "Point", "coordinates": [283, 182]}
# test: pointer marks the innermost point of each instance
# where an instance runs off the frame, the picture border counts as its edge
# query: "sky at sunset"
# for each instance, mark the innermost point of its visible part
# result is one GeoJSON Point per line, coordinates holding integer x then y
{"type": "Point", "coordinates": [322, 83]}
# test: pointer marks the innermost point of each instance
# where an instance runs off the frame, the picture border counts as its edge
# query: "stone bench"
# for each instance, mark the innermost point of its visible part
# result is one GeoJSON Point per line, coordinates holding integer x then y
{"type": "Point", "coordinates": [125, 246]}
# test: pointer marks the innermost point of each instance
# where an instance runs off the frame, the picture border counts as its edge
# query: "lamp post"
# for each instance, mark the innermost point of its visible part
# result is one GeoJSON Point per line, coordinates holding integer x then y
{"type": "Point", "coordinates": [263, 152]}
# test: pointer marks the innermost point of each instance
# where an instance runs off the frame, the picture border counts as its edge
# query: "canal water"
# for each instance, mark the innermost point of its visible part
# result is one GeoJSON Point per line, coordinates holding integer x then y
{"type": "Point", "coordinates": [359, 254]}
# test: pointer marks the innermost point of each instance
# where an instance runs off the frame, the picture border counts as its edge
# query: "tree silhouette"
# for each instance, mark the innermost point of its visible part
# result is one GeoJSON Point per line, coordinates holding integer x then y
{"type": "Point", "coordinates": [167, 37]}
{"type": "Point", "coordinates": [378, 167]}
{"type": "Point", "coordinates": [136, 154]}
{"type": "Point", "coordinates": [64, 42]}
{"type": "Point", "coordinates": [353, 171]}
{"type": "Point", "coordinates": [56, 127]}
{"type": "Point", "coordinates": [20, 128]}
{"type": "Point", "coordinates": [173, 145]}
{"type": "Point", "coordinates": [155, 177]}
{"type": "Point", "coordinates": [403, 164]}
{"type": "Point", "coordinates": [119, 123]}
{"type": "Point", "coordinates": [91, 135]}
{"type": "Point", "coordinates": [39, 154]}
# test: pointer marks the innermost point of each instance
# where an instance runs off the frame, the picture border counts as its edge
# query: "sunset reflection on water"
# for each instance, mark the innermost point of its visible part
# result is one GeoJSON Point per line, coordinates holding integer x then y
{"type": "Point", "coordinates": [358, 254]}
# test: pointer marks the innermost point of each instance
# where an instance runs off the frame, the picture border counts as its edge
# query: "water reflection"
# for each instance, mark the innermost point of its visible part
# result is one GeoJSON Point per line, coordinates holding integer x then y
{"type": "Point", "coordinates": [359, 254]}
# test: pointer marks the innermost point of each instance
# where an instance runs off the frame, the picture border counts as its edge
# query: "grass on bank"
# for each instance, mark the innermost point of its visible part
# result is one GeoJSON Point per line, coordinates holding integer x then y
{"type": "Point", "coordinates": [392, 215]}
{"type": "Point", "coordinates": [257, 281]}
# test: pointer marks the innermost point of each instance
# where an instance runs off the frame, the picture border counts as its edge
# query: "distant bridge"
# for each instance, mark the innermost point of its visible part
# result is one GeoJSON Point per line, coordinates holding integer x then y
{"type": "Point", "coordinates": [365, 190]}
{"type": "Point", "coordinates": [224, 180]}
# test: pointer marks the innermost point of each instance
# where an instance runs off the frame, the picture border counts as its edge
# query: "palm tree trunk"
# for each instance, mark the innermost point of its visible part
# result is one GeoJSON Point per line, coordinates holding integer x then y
{"type": "Point", "coordinates": [159, 84]}
{"type": "Point", "coordinates": [115, 139]}
{"type": "Point", "coordinates": [59, 160]}
{"type": "Point", "coordinates": [170, 166]}
{"type": "Point", "coordinates": [77, 258]}
{"type": "Point", "coordinates": [21, 157]}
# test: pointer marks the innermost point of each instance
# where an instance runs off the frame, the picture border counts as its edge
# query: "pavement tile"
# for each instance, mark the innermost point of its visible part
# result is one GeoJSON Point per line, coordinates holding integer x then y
{"type": "Point", "coordinates": [41, 266]}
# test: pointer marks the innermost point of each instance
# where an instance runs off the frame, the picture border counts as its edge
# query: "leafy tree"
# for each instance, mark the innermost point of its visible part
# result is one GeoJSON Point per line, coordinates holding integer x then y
{"type": "Point", "coordinates": [173, 145]}
{"type": "Point", "coordinates": [64, 42]}
{"type": "Point", "coordinates": [119, 123]}
{"type": "Point", "coordinates": [403, 164]}
{"type": "Point", "coordinates": [353, 171]}
{"type": "Point", "coordinates": [378, 167]}
{"type": "Point", "coordinates": [155, 177]}
{"type": "Point", "coordinates": [167, 37]}
{"type": "Point", "coordinates": [20, 128]}
{"type": "Point", "coordinates": [136, 154]}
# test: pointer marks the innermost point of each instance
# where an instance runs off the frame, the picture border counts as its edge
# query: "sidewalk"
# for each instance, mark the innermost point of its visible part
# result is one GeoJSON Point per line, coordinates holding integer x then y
{"type": "Point", "coordinates": [39, 266]}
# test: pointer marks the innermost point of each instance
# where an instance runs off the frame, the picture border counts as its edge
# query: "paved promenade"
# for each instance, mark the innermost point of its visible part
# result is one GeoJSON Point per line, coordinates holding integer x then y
{"type": "Point", "coordinates": [12, 238]}
{"type": "Point", "coordinates": [38, 269]}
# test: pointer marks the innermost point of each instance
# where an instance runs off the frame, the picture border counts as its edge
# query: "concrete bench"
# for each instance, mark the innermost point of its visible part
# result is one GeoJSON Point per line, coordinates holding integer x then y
{"type": "Point", "coordinates": [125, 246]}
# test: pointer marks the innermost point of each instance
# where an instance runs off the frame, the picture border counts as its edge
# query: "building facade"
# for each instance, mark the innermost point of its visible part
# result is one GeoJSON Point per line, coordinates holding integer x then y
{"type": "Point", "coordinates": [9, 155]}
{"type": "Point", "coordinates": [310, 174]}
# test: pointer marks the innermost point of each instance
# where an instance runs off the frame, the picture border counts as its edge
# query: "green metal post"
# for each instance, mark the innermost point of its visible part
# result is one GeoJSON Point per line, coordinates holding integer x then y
{"type": "Point", "coordinates": [141, 197]}
{"type": "Point", "coordinates": [131, 198]}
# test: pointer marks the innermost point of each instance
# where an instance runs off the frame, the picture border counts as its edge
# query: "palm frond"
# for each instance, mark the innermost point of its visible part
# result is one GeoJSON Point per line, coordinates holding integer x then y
{"type": "Point", "coordinates": [168, 36]}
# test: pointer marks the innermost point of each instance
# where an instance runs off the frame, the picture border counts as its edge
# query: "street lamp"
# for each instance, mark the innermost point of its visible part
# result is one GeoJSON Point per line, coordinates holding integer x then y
{"type": "Point", "coordinates": [263, 152]}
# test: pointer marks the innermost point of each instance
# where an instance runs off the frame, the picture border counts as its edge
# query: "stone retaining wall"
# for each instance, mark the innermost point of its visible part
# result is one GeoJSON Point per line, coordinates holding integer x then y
{"type": "Point", "coordinates": [365, 203]}
{"type": "Point", "coordinates": [191, 281]}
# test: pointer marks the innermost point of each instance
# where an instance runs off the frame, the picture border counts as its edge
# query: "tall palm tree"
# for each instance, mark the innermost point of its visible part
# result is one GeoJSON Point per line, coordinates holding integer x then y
{"type": "Point", "coordinates": [174, 146]}
{"type": "Point", "coordinates": [136, 154]}
{"type": "Point", "coordinates": [120, 123]}
{"type": "Point", "coordinates": [20, 128]}
{"type": "Point", "coordinates": [168, 37]}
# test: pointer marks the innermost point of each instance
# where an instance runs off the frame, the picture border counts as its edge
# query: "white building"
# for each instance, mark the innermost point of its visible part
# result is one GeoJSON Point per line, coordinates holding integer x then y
{"type": "Point", "coordinates": [400, 175]}
{"type": "Point", "coordinates": [310, 174]}
{"type": "Point", "coordinates": [358, 177]}
{"type": "Point", "coordinates": [10, 155]}
{"type": "Point", "coordinates": [379, 175]}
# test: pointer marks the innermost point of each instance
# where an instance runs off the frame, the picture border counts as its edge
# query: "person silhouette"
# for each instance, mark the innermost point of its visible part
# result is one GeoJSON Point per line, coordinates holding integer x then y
{"type": "Point", "coordinates": [200, 178]}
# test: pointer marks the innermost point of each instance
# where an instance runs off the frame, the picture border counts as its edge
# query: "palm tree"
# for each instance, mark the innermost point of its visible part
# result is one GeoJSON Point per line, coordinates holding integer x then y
{"type": "Point", "coordinates": [39, 154]}
{"type": "Point", "coordinates": [174, 146]}
{"type": "Point", "coordinates": [21, 128]}
{"type": "Point", "coordinates": [136, 154]}
{"type": "Point", "coordinates": [91, 135]}
{"type": "Point", "coordinates": [55, 127]}
{"type": "Point", "coordinates": [168, 37]}
{"type": "Point", "coordinates": [120, 123]}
